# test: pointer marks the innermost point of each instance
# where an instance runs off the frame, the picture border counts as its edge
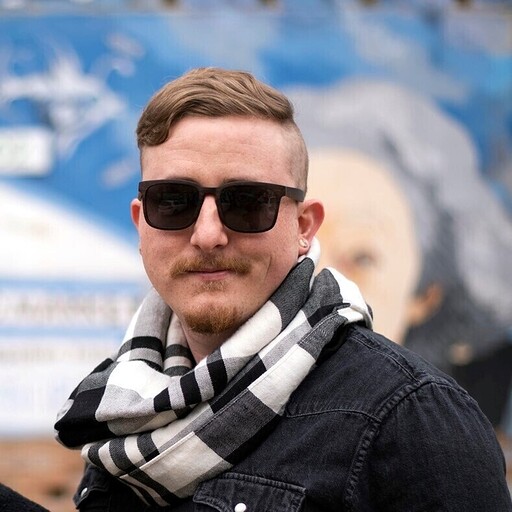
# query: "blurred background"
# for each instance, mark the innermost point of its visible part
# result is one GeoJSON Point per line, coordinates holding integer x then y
{"type": "Point", "coordinates": [407, 110]}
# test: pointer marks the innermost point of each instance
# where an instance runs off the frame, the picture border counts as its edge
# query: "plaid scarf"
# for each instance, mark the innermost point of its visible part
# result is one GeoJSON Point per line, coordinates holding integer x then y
{"type": "Point", "coordinates": [162, 424]}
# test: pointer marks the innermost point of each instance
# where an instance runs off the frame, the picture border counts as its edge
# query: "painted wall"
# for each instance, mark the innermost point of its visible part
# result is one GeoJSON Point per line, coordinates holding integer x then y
{"type": "Point", "coordinates": [71, 90]}
{"type": "Point", "coordinates": [426, 90]}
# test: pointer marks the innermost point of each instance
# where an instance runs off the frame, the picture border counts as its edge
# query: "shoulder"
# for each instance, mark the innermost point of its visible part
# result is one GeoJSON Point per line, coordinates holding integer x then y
{"type": "Point", "coordinates": [371, 374]}
{"type": "Point", "coordinates": [405, 365]}
{"type": "Point", "coordinates": [409, 429]}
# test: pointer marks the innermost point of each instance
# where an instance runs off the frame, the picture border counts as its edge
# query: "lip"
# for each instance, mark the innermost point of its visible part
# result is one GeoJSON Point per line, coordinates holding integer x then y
{"type": "Point", "coordinates": [211, 274]}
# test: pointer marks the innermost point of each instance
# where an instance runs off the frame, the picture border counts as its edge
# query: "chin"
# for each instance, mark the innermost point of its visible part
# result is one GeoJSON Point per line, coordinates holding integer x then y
{"type": "Point", "coordinates": [214, 319]}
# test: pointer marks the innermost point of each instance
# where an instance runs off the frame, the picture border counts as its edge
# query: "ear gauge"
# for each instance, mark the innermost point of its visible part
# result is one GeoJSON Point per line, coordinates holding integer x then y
{"type": "Point", "coordinates": [303, 243]}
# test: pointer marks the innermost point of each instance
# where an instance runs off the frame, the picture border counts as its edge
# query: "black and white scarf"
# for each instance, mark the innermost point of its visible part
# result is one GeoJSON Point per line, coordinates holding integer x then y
{"type": "Point", "coordinates": [162, 424]}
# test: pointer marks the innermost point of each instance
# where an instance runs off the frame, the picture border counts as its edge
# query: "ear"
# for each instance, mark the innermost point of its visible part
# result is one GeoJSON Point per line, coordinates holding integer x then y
{"type": "Point", "coordinates": [311, 217]}
{"type": "Point", "coordinates": [136, 212]}
{"type": "Point", "coordinates": [424, 305]}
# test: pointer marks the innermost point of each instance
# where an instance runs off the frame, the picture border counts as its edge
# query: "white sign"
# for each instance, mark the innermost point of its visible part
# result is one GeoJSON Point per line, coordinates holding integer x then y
{"type": "Point", "coordinates": [26, 151]}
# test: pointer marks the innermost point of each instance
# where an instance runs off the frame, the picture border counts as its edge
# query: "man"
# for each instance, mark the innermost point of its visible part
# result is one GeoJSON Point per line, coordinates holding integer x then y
{"type": "Point", "coordinates": [244, 383]}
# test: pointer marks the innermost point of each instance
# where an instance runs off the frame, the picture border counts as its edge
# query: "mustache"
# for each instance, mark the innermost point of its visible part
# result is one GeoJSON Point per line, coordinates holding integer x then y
{"type": "Point", "coordinates": [240, 266]}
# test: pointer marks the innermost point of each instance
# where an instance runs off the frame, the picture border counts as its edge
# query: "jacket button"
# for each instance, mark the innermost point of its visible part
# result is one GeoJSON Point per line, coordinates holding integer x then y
{"type": "Point", "coordinates": [241, 507]}
{"type": "Point", "coordinates": [83, 492]}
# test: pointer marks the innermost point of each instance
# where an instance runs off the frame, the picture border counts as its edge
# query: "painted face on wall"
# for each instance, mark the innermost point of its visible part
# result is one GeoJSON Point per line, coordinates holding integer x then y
{"type": "Point", "coordinates": [368, 234]}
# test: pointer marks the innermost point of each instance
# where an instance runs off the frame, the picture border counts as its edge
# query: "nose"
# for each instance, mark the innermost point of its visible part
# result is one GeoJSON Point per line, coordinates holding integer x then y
{"type": "Point", "coordinates": [208, 231]}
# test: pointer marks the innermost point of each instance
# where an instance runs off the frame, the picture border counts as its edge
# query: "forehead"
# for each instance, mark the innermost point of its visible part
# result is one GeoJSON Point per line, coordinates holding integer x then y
{"type": "Point", "coordinates": [360, 194]}
{"type": "Point", "coordinates": [237, 146]}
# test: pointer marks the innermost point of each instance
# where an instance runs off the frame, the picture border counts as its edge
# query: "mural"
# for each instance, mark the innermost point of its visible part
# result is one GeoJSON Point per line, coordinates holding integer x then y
{"type": "Point", "coordinates": [411, 220]}
{"type": "Point", "coordinates": [408, 112]}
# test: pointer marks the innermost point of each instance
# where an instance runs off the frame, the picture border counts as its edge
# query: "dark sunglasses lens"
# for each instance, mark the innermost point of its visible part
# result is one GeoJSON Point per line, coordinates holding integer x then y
{"type": "Point", "coordinates": [171, 205]}
{"type": "Point", "coordinates": [249, 208]}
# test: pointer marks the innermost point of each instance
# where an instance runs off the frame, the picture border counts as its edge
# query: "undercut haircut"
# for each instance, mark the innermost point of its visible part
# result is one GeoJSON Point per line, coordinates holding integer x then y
{"type": "Point", "coordinates": [216, 92]}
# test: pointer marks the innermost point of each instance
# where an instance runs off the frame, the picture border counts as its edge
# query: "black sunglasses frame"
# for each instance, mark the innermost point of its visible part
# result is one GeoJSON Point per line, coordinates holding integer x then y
{"type": "Point", "coordinates": [279, 190]}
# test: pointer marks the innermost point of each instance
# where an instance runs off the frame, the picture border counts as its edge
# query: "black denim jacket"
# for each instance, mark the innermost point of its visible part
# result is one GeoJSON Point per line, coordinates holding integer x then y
{"type": "Point", "coordinates": [373, 428]}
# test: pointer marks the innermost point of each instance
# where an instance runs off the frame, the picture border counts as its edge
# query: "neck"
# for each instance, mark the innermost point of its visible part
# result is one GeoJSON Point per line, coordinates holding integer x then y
{"type": "Point", "coordinates": [202, 345]}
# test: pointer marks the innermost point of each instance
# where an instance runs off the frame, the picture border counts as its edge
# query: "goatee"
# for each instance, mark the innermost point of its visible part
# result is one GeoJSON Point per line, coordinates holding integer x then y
{"type": "Point", "coordinates": [212, 319]}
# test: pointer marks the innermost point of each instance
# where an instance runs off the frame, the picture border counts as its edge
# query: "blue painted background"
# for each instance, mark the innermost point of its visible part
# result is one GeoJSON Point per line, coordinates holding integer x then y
{"type": "Point", "coordinates": [83, 79]}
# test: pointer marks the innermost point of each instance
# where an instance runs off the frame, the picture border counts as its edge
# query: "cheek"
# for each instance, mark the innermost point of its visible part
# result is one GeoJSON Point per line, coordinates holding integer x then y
{"type": "Point", "coordinates": [279, 253]}
{"type": "Point", "coordinates": [148, 246]}
{"type": "Point", "coordinates": [158, 251]}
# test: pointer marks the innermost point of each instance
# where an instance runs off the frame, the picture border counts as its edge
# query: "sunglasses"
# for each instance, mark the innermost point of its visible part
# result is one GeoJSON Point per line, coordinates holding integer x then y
{"type": "Point", "coordinates": [243, 206]}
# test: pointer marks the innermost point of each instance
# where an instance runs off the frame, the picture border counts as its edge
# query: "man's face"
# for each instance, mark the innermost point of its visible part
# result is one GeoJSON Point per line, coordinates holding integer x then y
{"type": "Point", "coordinates": [213, 278]}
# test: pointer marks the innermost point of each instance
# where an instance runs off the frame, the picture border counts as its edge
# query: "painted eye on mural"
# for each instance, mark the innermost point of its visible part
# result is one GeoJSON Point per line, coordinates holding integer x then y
{"type": "Point", "coordinates": [364, 259]}
{"type": "Point", "coordinates": [357, 263]}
